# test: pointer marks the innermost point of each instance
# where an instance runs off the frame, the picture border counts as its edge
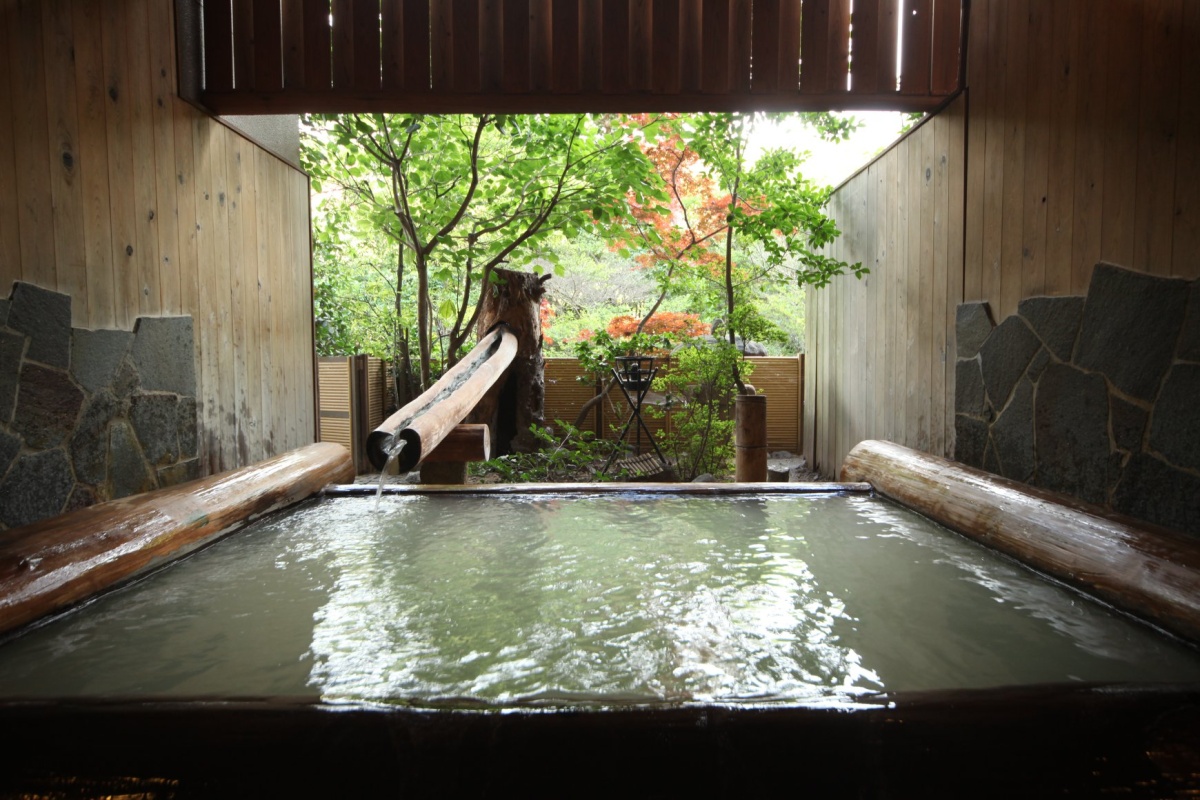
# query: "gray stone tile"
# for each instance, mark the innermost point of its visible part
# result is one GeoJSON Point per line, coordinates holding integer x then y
{"type": "Point", "coordinates": [1071, 426]}
{"type": "Point", "coordinates": [1175, 430]}
{"type": "Point", "coordinates": [972, 324]}
{"type": "Point", "coordinates": [11, 347]}
{"type": "Point", "coordinates": [89, 442]}
{"type": "Point", "coordinates": [969, 395]}
{"type": "Point", "coordinates": [127, 472]}
{"type": "Point", "coordinates": [1128, 424]}
{"type": "Point", "coordinates": [1189, 338]}
{"type": "Point", "coordinates": [9, 447]}
{"type": "Point", "coordinates": [1131, 325]}
{"type": "Point", "coordinates": [1055, 320]}
{"type": "Point", "coordinates": [1004, 358]}
{"type": "Point", "coordinates": [48, 406]}
{"type": "Point", "coordinates": [35, 488]}
{"type": "Point", "coordinates": [96, 356]}
{"type": "Point", "coordinates": [970, 440]}
{"type": "Point", "coordinates": [1154, 491]}
{"type": "Point", "coordinates": [1012, 434]}
{"type": "Point", "coordinates": [155, 419]}
{"type": "Point", "coordinates": [45, 317]}
{"type": "Point", "coordinates": [163, 354]}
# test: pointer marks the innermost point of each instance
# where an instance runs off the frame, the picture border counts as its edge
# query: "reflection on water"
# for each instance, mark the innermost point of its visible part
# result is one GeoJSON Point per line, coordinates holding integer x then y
{"type": "Point", "coordinates": [620, 598]}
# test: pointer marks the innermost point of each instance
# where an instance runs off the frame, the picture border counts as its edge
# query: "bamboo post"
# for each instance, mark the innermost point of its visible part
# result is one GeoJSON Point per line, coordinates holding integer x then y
{"type": "Point", "coordinates": [750, 438]}
{"type": "Point", "coordinates": [1149, 571]}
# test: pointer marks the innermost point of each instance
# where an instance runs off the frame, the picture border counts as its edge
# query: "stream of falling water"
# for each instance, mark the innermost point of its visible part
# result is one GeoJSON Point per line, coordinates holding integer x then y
{"type": "Point", "coordinates": [394, 451]}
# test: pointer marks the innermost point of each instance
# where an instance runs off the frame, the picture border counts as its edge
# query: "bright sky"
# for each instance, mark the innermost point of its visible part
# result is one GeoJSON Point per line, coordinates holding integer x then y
{"type": "Point", "coordinates": [831, 163]}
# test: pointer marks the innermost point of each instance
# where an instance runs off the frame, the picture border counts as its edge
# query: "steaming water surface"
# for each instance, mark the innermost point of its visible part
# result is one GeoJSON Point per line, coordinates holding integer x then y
{"type": "Point", "coordinates": [620, 598]}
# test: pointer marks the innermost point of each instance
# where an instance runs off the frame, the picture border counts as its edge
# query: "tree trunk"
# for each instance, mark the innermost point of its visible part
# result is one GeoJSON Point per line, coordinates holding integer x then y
{"type": "Point", "coordinates": [517, 402]}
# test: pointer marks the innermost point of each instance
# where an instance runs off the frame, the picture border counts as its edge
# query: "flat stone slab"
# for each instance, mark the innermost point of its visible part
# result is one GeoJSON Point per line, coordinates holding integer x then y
{"type": "Point", "coordinates": [1004, 357]}
{"type": "Point", "coordinates": [163, 354]}
{"type": "Point", "coordinates": [89, 442]}
{"type": "Point", "coordinates": [155, 419]}
{"type": "Point", "coordinates": [1131, 324]}
{"type": "Point", "coordinates": [48, 405]}
{"type": "Point", "coordinates": [1012, 434]}
{"type": "Point", "coordinates": [11, 347]}
{"type": "Point", "coordinates": [1055, 320]}
{"type": "Point", "coordinates": [127, 472]}
{"type": "Point", "coordinates": [1071, 426]}
{"type": "Point", "coordinates": [1189, 337]}
{"type": "Point", "coordinates": [1128, 424]}
{"type": "Point", "coordinates": [970, 397]}
{"type": "Point", "coordinates": [1156, 492]}
{"type": "Point", "coordinates": [96, 355]}
{"type": "Point", "coordinates": [36, 487]}
{"type": "Point", "coordinates": [45, 317]}
{"type": "Point", "coordinates": [972, 326]}
{"type": "Point", "coordinates": [9, 447]}
{"type": "Point", "coordinates": [1175, 432]}
{"type": "Point", "coordinates": [970, 440]}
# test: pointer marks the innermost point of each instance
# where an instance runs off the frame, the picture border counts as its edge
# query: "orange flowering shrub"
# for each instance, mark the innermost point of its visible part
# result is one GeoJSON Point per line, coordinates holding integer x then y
{"type": "Point", "coordinates": [668, 323]}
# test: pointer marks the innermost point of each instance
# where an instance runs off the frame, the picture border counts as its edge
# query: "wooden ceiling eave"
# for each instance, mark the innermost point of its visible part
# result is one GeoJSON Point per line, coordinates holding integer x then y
{"type": "Point", "coordinates": [349, 102]}
{"type": "Point", "coordinates": [546, 56]}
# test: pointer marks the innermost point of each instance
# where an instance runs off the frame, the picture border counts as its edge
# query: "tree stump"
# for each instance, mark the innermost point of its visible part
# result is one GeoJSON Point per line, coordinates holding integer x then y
{"type": "Point", "coordinates": [518, 401]}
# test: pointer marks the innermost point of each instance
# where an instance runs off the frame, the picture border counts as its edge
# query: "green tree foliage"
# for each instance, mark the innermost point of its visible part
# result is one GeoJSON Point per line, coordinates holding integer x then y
{"type": "Point", "coordinates": [458, 195]}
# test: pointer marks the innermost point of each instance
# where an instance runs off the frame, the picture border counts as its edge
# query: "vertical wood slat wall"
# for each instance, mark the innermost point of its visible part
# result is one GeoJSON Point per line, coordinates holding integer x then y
{"type": "Point", "coordinates": [116, 192]}
{"type": "Point", "coordinates": [514, 48]}
{"type": "Point", "coordinates": [1078, 141]}
{"type": "Point", "coordinates": [881, 348]}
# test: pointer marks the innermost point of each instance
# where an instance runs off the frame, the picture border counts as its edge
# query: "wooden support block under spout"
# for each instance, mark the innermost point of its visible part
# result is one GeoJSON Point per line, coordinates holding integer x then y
{"type": "Point", "coordinates": [464, 442]}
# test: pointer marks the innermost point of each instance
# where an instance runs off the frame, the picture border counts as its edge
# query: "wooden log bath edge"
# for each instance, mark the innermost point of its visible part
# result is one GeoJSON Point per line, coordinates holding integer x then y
{"type": "Point", "coordinates": [51, 565]}
{"type": "Point", "coordinates": [1151, 572]}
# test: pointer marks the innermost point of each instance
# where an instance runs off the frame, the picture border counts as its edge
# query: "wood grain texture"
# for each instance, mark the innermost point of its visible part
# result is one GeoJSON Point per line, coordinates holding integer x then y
{"type": "Point", "coordinates": [139, 204]}
{"type": "Point", "coordinates": [1147, 571]}
{"type": "Point", "coordinates": [51, 565]}
{"type": "Point", "coordinates": [427, 420]}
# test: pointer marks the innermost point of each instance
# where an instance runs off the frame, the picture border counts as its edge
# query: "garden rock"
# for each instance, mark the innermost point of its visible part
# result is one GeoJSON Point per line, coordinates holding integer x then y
{"type": "Point", "coordinates": [1175, 432]}
{"type": "Point", "coordinates": [162, 354]}
{"type": "Point", "coordinates": [11, 346]}
{"type": "Point", "coordinates": [1156, 492]}
{"type": "Point", "coordinates": [1004, 357]}
{"type": "Point", "coordinates": [972, 326]}
{"type": "Point", "coordinates": [96, 356]}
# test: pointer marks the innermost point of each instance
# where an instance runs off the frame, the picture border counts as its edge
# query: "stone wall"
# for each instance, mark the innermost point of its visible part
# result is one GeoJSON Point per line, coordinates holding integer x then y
{"type": "Point", "coordinates": [87, 416]}
{"type": "Point", "coordinates": [1097, 397]}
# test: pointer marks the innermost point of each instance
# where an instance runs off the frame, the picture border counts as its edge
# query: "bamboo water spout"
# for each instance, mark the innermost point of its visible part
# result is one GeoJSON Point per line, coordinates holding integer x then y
{"type": "Point", "coordinates": [426, 421]}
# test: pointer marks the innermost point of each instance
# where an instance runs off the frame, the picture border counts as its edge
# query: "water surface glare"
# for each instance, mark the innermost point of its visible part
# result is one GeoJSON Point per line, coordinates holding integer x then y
{"type": "Point", "coordinates": [619, 598]}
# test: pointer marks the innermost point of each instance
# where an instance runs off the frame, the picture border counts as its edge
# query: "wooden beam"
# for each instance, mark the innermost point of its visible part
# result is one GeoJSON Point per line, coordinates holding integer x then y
{"type": "Point", "coordinates": [223, 103]}
{"type": "Point", "coordinates": [1148, 571]}
{"type": "Point", "coordinates": [53, 564]}
{"type": "Point", "coordinates": [464, 442]}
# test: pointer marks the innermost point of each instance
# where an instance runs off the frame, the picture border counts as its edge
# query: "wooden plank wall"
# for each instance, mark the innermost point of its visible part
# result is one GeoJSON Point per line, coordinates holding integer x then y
{"type": "Point", "coordinates": [1080, 135]}
{"type": "Point", "coordinates": [1083, 144]}
{"type": "Point", "coordinates": [115, 191]}
{"type": "Point", "coordinates": [881, 348]}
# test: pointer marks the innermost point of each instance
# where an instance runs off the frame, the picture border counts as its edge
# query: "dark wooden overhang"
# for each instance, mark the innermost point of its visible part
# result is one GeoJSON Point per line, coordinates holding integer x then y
{"type": "Point", "coordinates": [443, 56]}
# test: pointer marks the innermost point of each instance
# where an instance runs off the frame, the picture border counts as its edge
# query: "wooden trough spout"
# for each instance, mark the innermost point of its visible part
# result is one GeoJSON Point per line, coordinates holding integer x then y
{"type": "Point", "coordinates": [422, 424]}
{"type": "Point", "coordinates": [1148, 571]}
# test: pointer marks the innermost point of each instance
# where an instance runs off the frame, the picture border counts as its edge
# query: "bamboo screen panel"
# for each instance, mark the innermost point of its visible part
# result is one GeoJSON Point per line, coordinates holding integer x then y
{"type": "Point", "coordinates": [333, 382]}
{"type": "Point", "coordinates": [282, 56]}
{"type": "Point", "coordinates": [781, 379]}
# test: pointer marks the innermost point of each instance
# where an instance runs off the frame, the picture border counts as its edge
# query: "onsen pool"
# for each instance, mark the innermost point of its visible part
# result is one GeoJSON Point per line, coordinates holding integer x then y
{"type": "Point", "coordinates": [447, 642]}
